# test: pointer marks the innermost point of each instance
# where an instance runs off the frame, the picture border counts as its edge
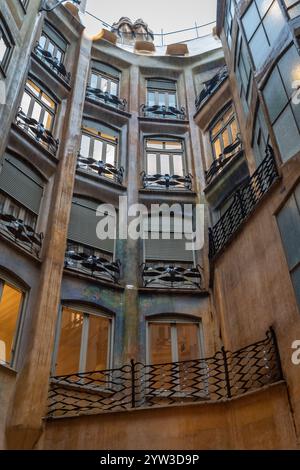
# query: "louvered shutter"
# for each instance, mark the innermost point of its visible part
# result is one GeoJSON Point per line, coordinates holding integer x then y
{"type": "Point", "coordinates": [153, 84]}
{"type": "Point", "coordinates": [21, 183]}
{"type": "Point", "coordinates": [106, 69]}
{"type": "Point", "coordinates": [55, 37]}
{"type": "Point", "coordinates": [98, 126]}
{"type": "Point", "coordinates": [83, 223]}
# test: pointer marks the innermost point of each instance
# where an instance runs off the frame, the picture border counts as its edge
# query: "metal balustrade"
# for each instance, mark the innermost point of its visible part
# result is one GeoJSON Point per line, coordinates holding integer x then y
{"type": "Point", "coordinates": [53, 63]}
{"type": "Point", "coordinates": [96, 94]}
{"type": "Point", "coordinates": [162, 111]}
{"type": "Point", "coordinates": [244, 202]}
{"type": "Point", "coordinates": [106, 170]}
{"type": "Point", "coordinates": [37, 131]}
{"type": "Point", "coordinates": [171, 276]}
{"type": "Point", "coordinates": [222, 376]}
{"type": "Point", "coordinates": [211, 86]}
{"type": "Point", "coordinates": [20, 233]}
{"type": "Point", "coordinates": [229, 153]}
{"type": "Point", "coordinates": [168, 182]}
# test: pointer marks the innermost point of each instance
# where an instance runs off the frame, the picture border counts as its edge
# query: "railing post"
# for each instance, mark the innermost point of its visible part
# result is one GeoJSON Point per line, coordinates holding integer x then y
{"type": "Point", "coordinates": [132, 365]}
{"type": "Point", "coordinates": [240, 199]}
{"type": "Point", "coordinates": [275, 343]}
{"type": "Point", "coordinates": [226, 370]}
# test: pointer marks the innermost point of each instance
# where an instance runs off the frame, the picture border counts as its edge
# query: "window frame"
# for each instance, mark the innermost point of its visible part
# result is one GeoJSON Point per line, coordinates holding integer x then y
{"type": "Point", "coordinates": [161, 90]}
{"type": "Point", "coordinates": [86, 312]}
{"type": "Point", "coordinates": [93, 137]}
{"type": "Point", "coordinates": [164, 151]}
{"type": "Point", "coordinates": [226, 125]}
{"type": "Point", "coordinates": [10, 44]}
{"type": "Point", "coordinates": [38, 99]}
{"type": "Point", "coordinates": [105, 76]}
{"type": "Point", "coordinates": [45, 32]}
{"type": "Point", "coordinates": [245, 89]}
{"type": "Point", "coordinates": [288, 8]}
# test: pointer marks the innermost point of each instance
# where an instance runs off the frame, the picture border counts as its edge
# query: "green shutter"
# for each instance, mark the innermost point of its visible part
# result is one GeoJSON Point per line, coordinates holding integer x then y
{"type": "Point", "coordinates": [106, 69]}
{"type": "Point", "coordinates": [83, 223]}
{"type": "Point", "coordinates": [21, 183]}
{"type": "Point", "coordinates": [161, 85]}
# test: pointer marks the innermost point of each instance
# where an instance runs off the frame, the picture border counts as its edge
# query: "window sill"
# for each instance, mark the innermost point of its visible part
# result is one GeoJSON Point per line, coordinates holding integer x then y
{"type": "Point", "coordinates": [176, 291]}
{"type": "Point", "coordinates": [100, 179]}
{"type": "Point", "coordinates": [183, 122]}
{"type": "Point", "coordinates": [34, 142]}
{"type": "Point", "coordinates": [107, 107]}
{"type": "Point", "coordinates": [96, 280]}
{"type": "Point", "coordinates": [82, 388]}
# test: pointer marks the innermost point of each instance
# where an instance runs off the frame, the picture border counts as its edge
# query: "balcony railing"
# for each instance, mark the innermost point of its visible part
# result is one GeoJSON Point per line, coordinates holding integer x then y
{"type": "Point", "coordinates": [211, 86]}
{"type": "Point", "coordinates": [172, 276]}
{"type": "Point", "coordinates": [229, 153]}
{"type": "Point", "coordinates": [96, 94]}
{"type": "Point", "coordinates": [165, 112]}
{"type": "Point", "coordinates": [167, 182]}
{"type": "Point", "coordinates": [20, 233]}
{"type": "Point", "coordinates": [53, 63]}
{"type": "Point", "coordinates": [244, 202]}
{"type": "Point", "coordinates": [102, 169]}
{"type": "Point", "coordinates": [223, 376]}
{"type": "Point", "coordinates": [100, 267]}
{"type": "Point", "coordinates": [37, 131]}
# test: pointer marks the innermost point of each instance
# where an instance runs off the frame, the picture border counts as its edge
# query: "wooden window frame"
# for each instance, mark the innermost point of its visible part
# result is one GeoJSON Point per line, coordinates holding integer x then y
{"type": "Point", "coordinates": [10, 44]}
{"type": "Point", "coordinates": [164, 151]}
{"type": "Point", "coordinates": [38, 99]}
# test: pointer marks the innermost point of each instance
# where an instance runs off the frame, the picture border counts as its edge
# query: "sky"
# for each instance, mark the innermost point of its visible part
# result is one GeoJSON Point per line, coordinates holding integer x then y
{"type": "Point", "coordinates": [159, 14]}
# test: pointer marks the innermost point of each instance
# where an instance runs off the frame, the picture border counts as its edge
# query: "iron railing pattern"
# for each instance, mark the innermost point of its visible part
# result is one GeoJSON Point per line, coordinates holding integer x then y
{"type": "Point", "coordinates": [96, 94]}
{"type": "Point", "coordinates": [171, 276]}
{"type": "Point", "coordinates": [223, 376]}
{"type": "Point", "coordinates": [162, 111]}
{"type": "Point", "coordinates": [37, 131]}
{"type": "Point", "coordinates": [20, 233]}
{"type": "Point", "coordinates": [53, 63]}
{"type": "Point", "coordinates": [106, 170]}
{"type": "Point", "coordinates": [96, 266]}
{"type": "Point", "coordinates": [211, 86]}
{"type": "Point", "coordinates": [244, 202]}
{"type": "Point", "coordinates": [168, 182]}
{"type": "Point", "coordinates": [229, 153]}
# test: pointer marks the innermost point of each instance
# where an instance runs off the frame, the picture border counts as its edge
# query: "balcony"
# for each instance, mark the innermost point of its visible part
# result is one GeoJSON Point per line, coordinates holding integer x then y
{"type": "Point", "coordinates": [20, 233]}
{"type": "Point", "coordinates": [100, 168]}
{"type": "Point", "coordinates": [245, 201]}
{"type": "Point", "coordinates": [163, 112]}
{"type": "Point", "coordinates": [222, 377]}
{"type": "Point", "coordinates": [95, 94]}
{"type": "Point", "coordinates": [167, 182]}
{"type": "Point", "coordinates": [218, 165]}
{"type": "Point", "coordinates": [211, 86]}
{"type": "Point", "coordinates": [37, 131]}
{"type": "Point", "coordinates": [172, 276]}
{"type": "Point", "coordinates": [52, 63]}
{"type": "Point", "coordinates": [93, 263]}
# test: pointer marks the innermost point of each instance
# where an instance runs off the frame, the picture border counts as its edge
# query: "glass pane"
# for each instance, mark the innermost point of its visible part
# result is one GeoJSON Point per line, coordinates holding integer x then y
{"type": "Point", "coordinates": [226, 138]}
{"type": "Point", "coordinates": [217, 148]}
{"type": "Point", "coordinates": [287, 134]}
{"type": "Point", "coordinates": [154, 144]}
{"type": "Point", "coordinates": [98, 343]}
{"type": "Point", "coordinates": [110, 154]}
{"type": "Point", "coordinates": [67, 361]}
{"type": "Point", "coordinates": [58, 55]}
{"type": "Point", "coordinates": [94, 81]}
{"type": "Point", "coordinates": [161, 99]}
{"type": "Point", "coordinates": [50, 103]}
{"type": "Point", "coordinates": [263, 6]}
{"type": "Point", "coordinates": [151, 98]}
{"type": "Point", "coordinates": [289, 225]}
{"type": "Point", "coordinates": [3, 48]}
{"type": "Point", "coordinates": [172, 100]}
{"type": "Point", "coordinates": [178, 166]}
{"type": "Point", "coordinates": [295, 11]}
{"type": "Point", "coordinates": [50, 48]}
{"type": "Point", "coordinates": [36, 112]}
{"type": "Point", "coordinates": [85, 146]}
{"type": "Point", "coordinates": [251, 20]}
{"type": "Point", "coordinates": [274, 22]}
{"type": "Point", "coordinates": [234, 130]}
{"type": "Point", "coordinates": [25, 103]}
{"type": "Point", "coordinates": [42, 41]}
{"type": "Point", "coordinates": [259, 47]}
{"type": "Point", "coordinates": [289, 66]}
{"type": "Point", "coordinates": [275, 95]}
{"type": "Point", "coordinates": [151, 164]}
{"type": "Point", "coordinates": [188, 341]}
{"type": "Point", "coordinates": [165, 164]}
{"type": "Point", "coordinates": [33, 87]}
{"type": "Point", "coordinates": [114, 88]}
{"type": "Point", "coordinates": [47, 121]}
{"type": "Point", "coordinates": [98, 147]}
{"type": "Point", "coordinates": [173, 145]}
{"type": "Point", "coordinates": [296, 283]}
{"type": "Point", "coordinates": [104, 84]}
{"type": "Point", "coordinates": [10, 304]}
{"type": "Point", "coordinates": [160, 345]}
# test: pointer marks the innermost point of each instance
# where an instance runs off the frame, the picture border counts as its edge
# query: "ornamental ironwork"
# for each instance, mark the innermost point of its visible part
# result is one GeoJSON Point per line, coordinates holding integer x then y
{"type": "Point", "coordinates": [107, 170]}
{"type": "Point", "coordinates": [37, 131]}
{"type": "Point", "coordinates": [162, 111]}
{"type": "Point", "coordinates": [167, 181]}
{"type": "Point", "coordinates": [96, 94]}
{"type": "Point", "coordinates": [171, 276]}
{"type": "Point", "coordinates": [53, 63]}
{"type": "Point", "coordinates": [20, 233]}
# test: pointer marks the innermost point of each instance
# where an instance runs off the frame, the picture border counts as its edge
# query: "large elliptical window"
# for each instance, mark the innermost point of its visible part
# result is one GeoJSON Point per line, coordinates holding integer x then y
{"type": "Point", "coordinates": [263, 23]}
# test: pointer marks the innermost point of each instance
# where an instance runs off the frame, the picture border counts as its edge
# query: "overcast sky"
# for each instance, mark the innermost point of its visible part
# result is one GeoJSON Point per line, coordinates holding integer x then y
{"type": "Point", "coordinates": [159, 14]}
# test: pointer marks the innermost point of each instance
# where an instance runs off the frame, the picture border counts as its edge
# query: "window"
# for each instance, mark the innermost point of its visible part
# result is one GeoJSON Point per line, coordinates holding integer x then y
{"type": "Point", "coordinates": [229, 16]}
{"type": "Point", "coordinates": [38, 105]}
{"type": "Point", "coordinates": [6, 46]}
{"type": "Point", "coordinates": [164, 156]}
{"type": "Point", "coordinates": [99, 142]}
{"type": "Point", "coordinates": [52, 42]}
{"type": "Point", "coordinates": [105, 78]}
{"type": "Point", "coordinates": [284, 112]}
{"type": "Point", "coordinates": [11, 304]}
{"type": "Point", "coordinates": [289, 225]}
{"type": "Point", "coordinates": [260, 137]}
{"type": "Point", "coordinates": [161, 93]}
{"type": "Point", "coordinates": [84, 342]}
{"type": "Point", "coordinates": [243, 73]}
{"type": "Point", "coordinates": [263, 22]}
{"type": "Point", "coordinates": [293, 8]}
{"type": "Point", "coordinates": [224, 132]}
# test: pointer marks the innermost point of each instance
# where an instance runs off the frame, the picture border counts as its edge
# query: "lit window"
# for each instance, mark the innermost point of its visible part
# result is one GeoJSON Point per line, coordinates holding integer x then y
{"type": "Point", "coordinates": [99, 143]}
{"type": "Point", "coordinates": [84, 342]}
{"type": "Point", "coordinates": [11, 303]}
{"type": "Point", "coordinates": [165, 157]}
{"type": "Point", "coordinates": [289, 224]}
{"type": "Point", "coordinates": [293, 8]}
{"type": "Point", "coordinates": [284, 112]}
{"type": "Point", "coordinates": [161, 93]}
{"type": "Point", "coordinates": [38, 105]}
{"type": "Point", "coordinates": [263, 23]}
{"type": "Point", "coordinates": [6, 46]}
{"type": "Point", "coordinates": [224, 132]}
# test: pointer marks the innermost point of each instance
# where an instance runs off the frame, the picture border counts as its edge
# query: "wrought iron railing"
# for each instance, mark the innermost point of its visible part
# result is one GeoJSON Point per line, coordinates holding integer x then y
{"type": "Point", "coordinates": [20, 233]}
{"type": "Point", "coordinates": [244, 202]}
{"type": "Point", "coordinates": [102, 169]}
{"type": "Point", "coordinates": [171, 276]}
{"type": "Point", "coordinates": [211, 86]}
{"type": "Point", "coordinates": [229, 153]}
{"type": "Point", "coordinates": [223, 376]}
{"type": "Point", "coordinates": [37, 131]}
{"type": "Point", "coordinates": [97, 266]}
{"type": "Point", "coordinates": [53, 63]}
{"type": "Point", "coordinates": [167, 181]}
{"type": "Point", "coordinates": [96, 94]}
{"type": "Point", "coordinates": [165, 112]}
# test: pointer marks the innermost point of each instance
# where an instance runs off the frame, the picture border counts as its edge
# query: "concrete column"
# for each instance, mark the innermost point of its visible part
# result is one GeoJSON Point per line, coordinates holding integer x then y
{"type": "Point", "coordinates": [24, 423]}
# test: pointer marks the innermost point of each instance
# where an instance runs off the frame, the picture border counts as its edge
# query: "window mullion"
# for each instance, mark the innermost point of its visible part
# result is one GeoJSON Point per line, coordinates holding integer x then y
{"type": "Point", "coordinates": [174, 342]}
{"type": "Point", "coordinates": [84, 343]}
